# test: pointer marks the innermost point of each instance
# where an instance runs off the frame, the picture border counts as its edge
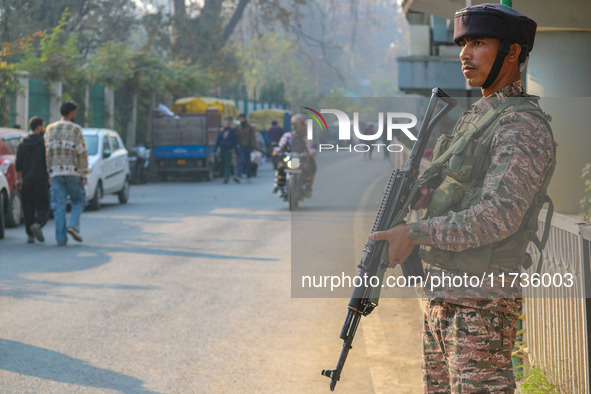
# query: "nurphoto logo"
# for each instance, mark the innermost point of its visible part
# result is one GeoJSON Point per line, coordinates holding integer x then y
{"type": "Point", "coordinates": [402, 121]}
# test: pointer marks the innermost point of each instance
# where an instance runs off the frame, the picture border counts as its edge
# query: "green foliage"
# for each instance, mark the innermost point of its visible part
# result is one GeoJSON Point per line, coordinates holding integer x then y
{"type": "Point", "coordinates": [539, 381]}
{"type": "Point", "coordinates": [273, 92]}
{"type": "Point", "coordinates": [111, 65]}
{"type": "Point", "coordinates": [56, 58]}
{"type": "Point", "coordinates": [117, 66]}
{"type": "Point", "coordinates": [273, 59]}
{"type": "Point", "coordinates": [586, 201]}
{"type": "Point", "coordinates": [9, 85]}
{"type": "Point", "coordinates": [184, 79]}
{"type": "Point", "coordinates": [94, 21]}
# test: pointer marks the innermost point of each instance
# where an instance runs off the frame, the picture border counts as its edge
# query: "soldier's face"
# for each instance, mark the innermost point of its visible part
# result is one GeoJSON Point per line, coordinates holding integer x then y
{"type": "Point", "coordinates": [478, 56]}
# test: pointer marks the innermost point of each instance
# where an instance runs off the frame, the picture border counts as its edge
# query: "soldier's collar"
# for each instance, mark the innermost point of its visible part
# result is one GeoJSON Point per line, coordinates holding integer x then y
{"type": "Point", "coordinates": [494, 100]}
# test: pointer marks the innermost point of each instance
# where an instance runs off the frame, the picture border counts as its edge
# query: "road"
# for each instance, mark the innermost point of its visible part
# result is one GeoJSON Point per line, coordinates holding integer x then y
{"type": "Point", "coordinates": [195, 287]}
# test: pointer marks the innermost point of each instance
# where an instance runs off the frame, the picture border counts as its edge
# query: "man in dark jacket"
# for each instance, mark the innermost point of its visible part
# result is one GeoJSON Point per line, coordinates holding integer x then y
{"type": "Point", "coordinates": [226, 143]}
{"type": "Point", "coordinates": [246, 143]}
{"type": "Point", "coordinates": [33, 179]}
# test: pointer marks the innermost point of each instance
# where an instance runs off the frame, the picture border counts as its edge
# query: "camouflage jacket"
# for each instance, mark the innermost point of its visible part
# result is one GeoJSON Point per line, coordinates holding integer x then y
{"type": "Point", "coordinates": [522, 153]}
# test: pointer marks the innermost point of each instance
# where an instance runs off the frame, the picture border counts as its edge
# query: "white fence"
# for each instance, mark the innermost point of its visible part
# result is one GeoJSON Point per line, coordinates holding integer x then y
{"type": "Point", "coordinates": [556, 318]}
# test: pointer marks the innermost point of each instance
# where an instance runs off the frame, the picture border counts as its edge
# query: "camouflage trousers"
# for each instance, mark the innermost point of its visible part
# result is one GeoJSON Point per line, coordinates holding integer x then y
{"type": "Point", "coordinates": [467, 350]}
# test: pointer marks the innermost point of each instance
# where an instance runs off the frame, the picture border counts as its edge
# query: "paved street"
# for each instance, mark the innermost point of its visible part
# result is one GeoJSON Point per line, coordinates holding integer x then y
{"type": "Point", "coordinates": [188, 289]}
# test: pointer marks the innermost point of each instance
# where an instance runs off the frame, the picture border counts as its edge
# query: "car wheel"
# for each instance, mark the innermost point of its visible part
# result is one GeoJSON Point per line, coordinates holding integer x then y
{"type": "Point", "coordinates": [14, 215]}
{"type": "Point", "coordinates": [1, 215]}
{"type": "Point", "coordinates": [95, 203]}
{"type": "Point", "coordinates": [124, 193]}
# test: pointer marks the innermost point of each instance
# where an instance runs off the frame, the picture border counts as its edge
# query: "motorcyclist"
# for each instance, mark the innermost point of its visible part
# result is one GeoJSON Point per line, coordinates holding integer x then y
{"type": "Point", "coordinates": [296, 141]}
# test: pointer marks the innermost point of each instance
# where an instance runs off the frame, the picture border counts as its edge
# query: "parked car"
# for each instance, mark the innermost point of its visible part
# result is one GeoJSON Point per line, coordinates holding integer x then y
{"type": "Point", "coordinates": [109, 166]}
{"type": "Point", "coordinates": [3, 202]}
{"type": "Point", "coordinates": [9, 139]}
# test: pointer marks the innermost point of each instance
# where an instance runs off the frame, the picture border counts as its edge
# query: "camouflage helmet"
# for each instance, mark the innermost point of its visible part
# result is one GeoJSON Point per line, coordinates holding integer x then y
{"type": "Point", "coordinates": [496, 21]}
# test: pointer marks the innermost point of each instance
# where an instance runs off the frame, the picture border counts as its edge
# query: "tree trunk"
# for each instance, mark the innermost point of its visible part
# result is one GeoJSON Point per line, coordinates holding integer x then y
{"type": "Point", "coordinates": [132, 123]}
{"type": "Point", "coordinates": [231, 26]}
{"type": "Point", "coordinates": [180, 9]}
{"type": "Point", "coordinates": [211, 11]}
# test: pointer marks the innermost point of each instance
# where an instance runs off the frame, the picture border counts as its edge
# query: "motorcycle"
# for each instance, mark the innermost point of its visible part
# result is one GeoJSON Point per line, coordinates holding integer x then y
{"type": "Point", "coordinates": [295, 183]}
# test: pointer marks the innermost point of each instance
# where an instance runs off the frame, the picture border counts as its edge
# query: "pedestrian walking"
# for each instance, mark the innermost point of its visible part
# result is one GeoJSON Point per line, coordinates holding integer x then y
{"type": "Point", "coordinates": [246, 143]}
{"type": "Point", "coordinates": [32, 179]}
{"type": "Point", "coordinates": [67, 163]}
{"type": "Point", "coordinates": [226, 143]}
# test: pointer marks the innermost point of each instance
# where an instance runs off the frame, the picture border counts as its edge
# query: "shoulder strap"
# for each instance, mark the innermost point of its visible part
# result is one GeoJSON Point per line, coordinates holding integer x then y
{"type": "Point", "coordinates": [541, 197]}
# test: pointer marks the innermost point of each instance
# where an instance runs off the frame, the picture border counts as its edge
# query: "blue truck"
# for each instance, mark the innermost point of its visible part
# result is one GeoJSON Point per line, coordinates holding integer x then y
{"type": "Point", "coordinates": [183, 144]}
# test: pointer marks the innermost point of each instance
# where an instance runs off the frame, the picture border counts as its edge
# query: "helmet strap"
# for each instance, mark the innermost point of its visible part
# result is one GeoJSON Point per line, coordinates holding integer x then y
{"type": "Point", "coordinates": [523, 65]}
{"type": "Point", "coordinates": [504, 50]}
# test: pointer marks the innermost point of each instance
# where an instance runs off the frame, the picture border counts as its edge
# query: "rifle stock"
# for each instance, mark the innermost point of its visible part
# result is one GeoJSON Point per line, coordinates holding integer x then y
{"type": "Point", "coordinates": [399, 196]}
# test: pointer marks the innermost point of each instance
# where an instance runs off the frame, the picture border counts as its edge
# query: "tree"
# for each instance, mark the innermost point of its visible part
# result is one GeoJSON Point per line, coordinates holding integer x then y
{"type": "Point", "coordinates": [56, 58]}
{"type": "Point", "coordinates": [9, 85]}
{"type": "Point", "coordinates": [273, 60]}
{"type": "Point", "coordinates": [143, 77]}
{"type": "Point", "coordinates": [202, 34]}
{"type": "Point", "coordinates": [94, 21]}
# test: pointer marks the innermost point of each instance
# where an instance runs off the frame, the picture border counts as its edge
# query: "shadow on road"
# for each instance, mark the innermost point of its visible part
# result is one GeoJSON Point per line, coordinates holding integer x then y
{"type": "Point", "coordinates": [46, 364]}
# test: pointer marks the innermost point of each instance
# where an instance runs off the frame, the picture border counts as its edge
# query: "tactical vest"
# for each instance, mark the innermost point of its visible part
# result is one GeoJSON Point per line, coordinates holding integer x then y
{"type": "Point", "coordinates": [462, 161]}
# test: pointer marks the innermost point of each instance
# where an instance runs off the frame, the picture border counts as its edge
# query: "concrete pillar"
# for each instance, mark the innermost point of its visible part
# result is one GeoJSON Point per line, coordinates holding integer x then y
{"type": "Point", "coordinates": [558, 71]}
{"type": "Point", "coordinates": [22, 101]}
{"type": "Point", "coordinates": [86, 106]}
{"type": "Point", "coordinates": [420, 40]}
{"type": "Point", "coordinates": [55, 101]}
{"type": "Point", "coordinates": [132, 123]}
{"type": "Point", "coordinates": [109, 108]}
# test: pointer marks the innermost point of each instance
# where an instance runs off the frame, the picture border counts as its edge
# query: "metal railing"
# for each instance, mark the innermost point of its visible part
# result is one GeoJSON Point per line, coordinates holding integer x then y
{"type": "Point", "coordinates": [557, 317]}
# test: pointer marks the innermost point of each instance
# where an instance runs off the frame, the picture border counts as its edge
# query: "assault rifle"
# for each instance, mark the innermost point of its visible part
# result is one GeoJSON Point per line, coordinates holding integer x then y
{"type": "Point", "coordinates": [399, 196]}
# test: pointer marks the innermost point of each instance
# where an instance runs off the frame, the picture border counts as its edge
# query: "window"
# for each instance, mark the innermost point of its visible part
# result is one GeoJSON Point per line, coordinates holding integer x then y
{"type": "Point", "coordinates": [106, 145]}
{"type": "Point", "coordinates": [12, 143]}
{"type": "Point", "coordinates": [114, 143]}
{"type": "Point", "coordinates": [91, 144]}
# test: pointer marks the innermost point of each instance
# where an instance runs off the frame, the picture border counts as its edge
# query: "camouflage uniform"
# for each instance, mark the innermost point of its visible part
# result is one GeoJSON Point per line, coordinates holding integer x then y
{"type": "Point", "coordinates": [468, 335]}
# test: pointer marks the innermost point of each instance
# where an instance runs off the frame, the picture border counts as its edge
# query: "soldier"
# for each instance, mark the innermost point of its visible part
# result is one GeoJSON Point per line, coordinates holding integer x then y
{"type": "Point", "coordinates": [483, 213]}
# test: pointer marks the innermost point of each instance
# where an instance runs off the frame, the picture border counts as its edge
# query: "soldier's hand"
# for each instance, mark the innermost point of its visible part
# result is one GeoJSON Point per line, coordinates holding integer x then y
{"type": "Point", "coordinates": [425, 194]}
{"type": "Point", "coordinates": [399, 244]}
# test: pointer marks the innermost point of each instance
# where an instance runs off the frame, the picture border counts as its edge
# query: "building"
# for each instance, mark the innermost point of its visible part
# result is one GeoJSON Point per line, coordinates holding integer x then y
{"type": "Point", "coordinates": [558, 71]}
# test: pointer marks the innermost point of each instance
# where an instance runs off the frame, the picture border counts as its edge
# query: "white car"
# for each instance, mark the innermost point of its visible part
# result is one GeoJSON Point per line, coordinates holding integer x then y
{"type": "Point", "coordinates": [108, 164]}
{"type": "Point", "coordinates": [3, 202]}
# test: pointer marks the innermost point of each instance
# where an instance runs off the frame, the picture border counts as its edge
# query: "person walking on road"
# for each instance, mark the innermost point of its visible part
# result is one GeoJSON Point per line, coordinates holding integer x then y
{"type": "Point", "coordinates": [33, 180]}
{"type": "Point", "coordinates": [67, 162]}
{"type": "Point", "coordinates": [226, 143]}
{"type": "Point", "coordinates": [246, 143]}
